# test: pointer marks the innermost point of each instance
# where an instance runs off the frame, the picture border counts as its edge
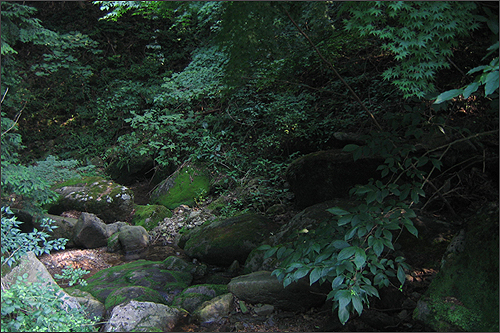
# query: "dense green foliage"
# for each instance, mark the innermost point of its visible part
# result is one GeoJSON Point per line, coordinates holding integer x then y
{"type": "Point", "coordinates": [246, 87]}
{"type": "Point", "coordinates": [36, 307]}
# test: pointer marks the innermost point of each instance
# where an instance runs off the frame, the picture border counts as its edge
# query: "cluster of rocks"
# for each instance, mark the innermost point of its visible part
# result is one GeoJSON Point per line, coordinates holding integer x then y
{"type": "Point", "coordinates": [226, 271]}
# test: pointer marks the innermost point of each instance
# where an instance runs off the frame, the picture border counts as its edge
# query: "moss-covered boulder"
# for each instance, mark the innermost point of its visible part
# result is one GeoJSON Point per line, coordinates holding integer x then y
{"type": "Point", "coordinates": [183, 187]}
{"type": "Point", "coordinates": [325, 175]}
{"type": "Point", "coordinates": [137, 293]}
{"type": "Point", "coordinates": [224, 241]}
{"type": "Point", "coordinates": [108, 200]}
{"type": "Point", "coordinates": [191, 298]}
{"type": "Point", "coordinates": [149, 216]}
{"type": "Point", "coordinates": [464, 294]}
{"type": "Point", "coordinates": [309, 219]}
{"type": "Point", "coordinates": [142, 273]}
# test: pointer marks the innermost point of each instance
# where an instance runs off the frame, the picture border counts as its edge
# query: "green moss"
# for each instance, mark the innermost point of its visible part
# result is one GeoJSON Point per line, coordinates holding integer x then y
{"type": "Point", "coordinates": [450, 316]}
{"type": "Point", "coordinates": [150, 274]}
{"type": "Point", "coordinates": [470, 277]}
{"type": "Point", "coordinates": [149, 216]}
{"type": "Point", "coordinates": [79, 181]}
{"type": "Point", "coordinates": [141, 294]}
{"type": "Point", "coordinates": [190, 183]}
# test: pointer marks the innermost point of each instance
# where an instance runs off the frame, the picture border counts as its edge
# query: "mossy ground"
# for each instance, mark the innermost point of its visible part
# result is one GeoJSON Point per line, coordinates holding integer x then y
{"type": "Point", "coordinates": [190, 184]}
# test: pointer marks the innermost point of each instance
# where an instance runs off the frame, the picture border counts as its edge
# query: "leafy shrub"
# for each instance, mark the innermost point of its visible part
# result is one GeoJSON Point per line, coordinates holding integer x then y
{"type": "Point", "coordinates": [15, 244]}
{"type": "Point", "coordinates": [35, 307]}
{"type": "Point", "coordinates": [354, 252]}
{"type": "Point", "coordinates": [73, 276]}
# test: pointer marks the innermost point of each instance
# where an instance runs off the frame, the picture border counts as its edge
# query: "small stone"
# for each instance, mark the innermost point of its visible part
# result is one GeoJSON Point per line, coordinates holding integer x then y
{"type": "Point", "coordinates": [264, 310]}
{"type": "Point", "coordinates": [403, 315]}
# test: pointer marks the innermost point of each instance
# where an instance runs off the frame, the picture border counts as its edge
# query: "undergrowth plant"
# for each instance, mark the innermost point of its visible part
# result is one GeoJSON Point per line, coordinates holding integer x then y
{"type": "Point", "coordinates": [35, 307]}
{"type": "Point", "coordinates": [354, 252]}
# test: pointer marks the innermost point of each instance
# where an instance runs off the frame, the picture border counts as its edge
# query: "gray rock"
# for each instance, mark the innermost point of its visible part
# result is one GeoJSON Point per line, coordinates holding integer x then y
{"type": "Point", "coordinates": [90, 232]}
{"type": "Point", "coordinates": [92, 306]}
{"type": "Point", "coordinates": [115, 227]}
{"type": "Point", "coordinates": [143, 317]}
{"type": "Point", "coordinates": [264, 310]}
{"type": "Point", "coordinates": [223, 242]}
{"type": "Point", "coordinates": [108, 200]}
{"type": "Point", "coordinates": [215, 308]}
{"type": "Point", "coordinates": [262, 287]}
{"type": "Point", "coordinates": [149, 274]}
{"type": "Point", "coordinates": [133, 239]}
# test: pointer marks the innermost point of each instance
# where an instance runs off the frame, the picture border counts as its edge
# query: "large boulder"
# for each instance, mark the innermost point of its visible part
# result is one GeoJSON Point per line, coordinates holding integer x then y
{"type": "Point", "coordinates": [224, 241]}
{"type": "Point", "coordinates": [464, 294]}
{"type": "Point", "coordinates": [90, 232]}
{"type": "Point", "coordinates": [137, 316]}
{"type": "Point", "coordinates": [150, 274]}
{"type": "Point", "coordinates": [325, 175]}
{"type": "Point", "coordinates": [262, 287]}
{"type": "Point", "coordinates": [108, 200]}
{"type": "Point", "coordinates": [186, 185]}
{"type": "Point", "coordinates": [92, 306]}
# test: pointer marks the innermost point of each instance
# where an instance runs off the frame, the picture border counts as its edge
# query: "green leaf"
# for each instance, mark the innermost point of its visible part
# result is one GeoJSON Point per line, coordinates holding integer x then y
{"type": "Point", "coordinates": [315, 275]}
{"type": "Point", "coordinates": [401, 275]}
{"type": "Point", "coordinates": [340, 244]}
{"type": "Point", "coordinates": [371, 291]}
{"type": "Point", "coordinates": [350, 148]}
{"type": "Point", "coordinates": [492, 82]}
{"type": "Point", "coordinates": [337, 281]}
{"type": "Point", "coordinates": [337, 211]}
{"type": "Point", "coordinates": [270, 252]}
{"type": "Point", "coordinates": [300, 273]}
{"type": "Point", "coordinates": [357, 304]}
{"type": "Point", "coordinates": [411, 228]}
{"type": "Point", "coordinates": [471, 88]}
{"type": "Point", "coordinates": [346, 253]}
{"type": "Point", "coordinates": [447, 95]}
{"type": "Point", "coordinates": [346, 219]}
{"type": "Point", "coordinates": [378, 247]}
{"type": "Point", "coordinates": [359, 257]}
{"type": "Point", "coordinates": [343, 315]}
{"type": "Point", "coordinates": [436, 163]}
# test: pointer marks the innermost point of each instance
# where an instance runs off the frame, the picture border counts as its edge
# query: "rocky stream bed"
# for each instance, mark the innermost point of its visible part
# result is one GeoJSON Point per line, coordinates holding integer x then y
{"type": "Point", "coordinates": [393, 312]}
